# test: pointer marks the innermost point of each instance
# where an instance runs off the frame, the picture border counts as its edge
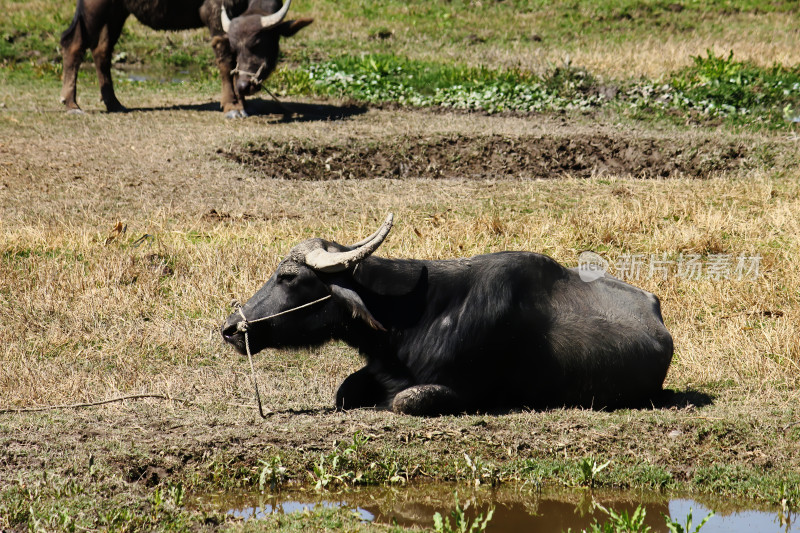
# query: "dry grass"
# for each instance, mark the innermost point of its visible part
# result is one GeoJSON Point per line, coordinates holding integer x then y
{"type": "Point", "coordinates": [654, 54]}
{"type": "Point", "coordinates": [85, 320]}
{"type": "Point", "coordinates": [650, 56]}
{"type": "Point", "coordinates": [535, 40]}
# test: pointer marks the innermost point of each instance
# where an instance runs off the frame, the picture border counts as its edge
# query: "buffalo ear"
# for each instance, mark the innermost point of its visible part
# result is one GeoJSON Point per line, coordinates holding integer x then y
{"type": "Point", "coordinates": [221, 44]}
{"type": "Point", "coordinates": [356, 305]}
{"type": "Point", "coordinates": [290, 27]}
{"type": "Point", "coordinates": [390, 278]}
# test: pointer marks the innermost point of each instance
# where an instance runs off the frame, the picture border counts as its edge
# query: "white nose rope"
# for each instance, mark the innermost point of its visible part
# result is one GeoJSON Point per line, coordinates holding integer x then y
{"type": "Point", "coordinates": [244, 326]}
{"type": "Point", "coordinates": [253, 75]}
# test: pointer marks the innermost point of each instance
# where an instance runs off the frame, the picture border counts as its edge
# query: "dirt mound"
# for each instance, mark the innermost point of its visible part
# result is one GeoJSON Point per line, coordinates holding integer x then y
{"type": "Point", "coordinates": [492, 157]}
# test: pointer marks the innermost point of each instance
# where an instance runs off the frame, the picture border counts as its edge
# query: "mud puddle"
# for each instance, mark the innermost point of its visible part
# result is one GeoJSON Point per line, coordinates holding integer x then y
{"type": "Point", "coordinates": [495, 156]}
{"type": "Point", "coordinates": [514, 510]}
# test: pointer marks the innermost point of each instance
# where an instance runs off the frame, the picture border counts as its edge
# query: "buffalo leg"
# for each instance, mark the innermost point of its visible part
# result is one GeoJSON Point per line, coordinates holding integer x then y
{"type": "Point", "coordinates": [360, 389]}
{"type": "Point", "coordinates": [73, 46]}
{"type": "Point", "coordinates": [427, 400]}
{"type": "Point", "coordinates": [102, 52]}
{"type": "Point", "coordinates": [232, 105]}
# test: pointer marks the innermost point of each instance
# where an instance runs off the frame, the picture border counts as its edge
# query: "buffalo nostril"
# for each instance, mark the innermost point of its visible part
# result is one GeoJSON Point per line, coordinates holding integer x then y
{"type": "Point", "coordinates": [243, 88]}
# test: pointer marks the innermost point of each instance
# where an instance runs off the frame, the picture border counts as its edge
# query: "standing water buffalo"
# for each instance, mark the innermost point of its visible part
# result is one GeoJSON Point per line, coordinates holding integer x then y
{"type": "Point", "coordinates": [497, 331]}
{"type": "Point", "coordinates": [246, 45]}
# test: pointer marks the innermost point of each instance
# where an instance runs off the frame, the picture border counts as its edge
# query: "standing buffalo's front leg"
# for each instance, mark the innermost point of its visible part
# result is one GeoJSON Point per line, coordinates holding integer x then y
{"type": "Point", "coordinates": [232, 105]}
{"type": "Point", "coordinates": [427, 400]}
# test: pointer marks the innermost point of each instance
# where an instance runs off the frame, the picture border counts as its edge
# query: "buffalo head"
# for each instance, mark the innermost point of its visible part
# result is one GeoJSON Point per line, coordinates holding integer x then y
{"type": "Point", "coordinates": [316, 272]}
{"type": "Point", "coordinates": [254, 38]}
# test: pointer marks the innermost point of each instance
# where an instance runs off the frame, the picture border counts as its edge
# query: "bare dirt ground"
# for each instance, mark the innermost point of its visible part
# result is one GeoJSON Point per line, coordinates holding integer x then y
{"type": "Point", "coordinates": [542, 156]}
{"type": "Point", "coordinates": [210, 206]}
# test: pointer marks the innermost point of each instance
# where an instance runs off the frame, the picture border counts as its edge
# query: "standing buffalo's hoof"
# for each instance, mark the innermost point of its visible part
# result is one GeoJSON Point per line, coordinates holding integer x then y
{"type": "Point", "coordinates": [427, 400]}
{"type": "Point", "coordinates": [114, 106]}
{"type": "Point", "coordinates": [236, 113]}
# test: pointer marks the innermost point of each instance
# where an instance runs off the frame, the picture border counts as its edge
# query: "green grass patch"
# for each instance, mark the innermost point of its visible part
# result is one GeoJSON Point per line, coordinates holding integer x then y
{"type": "Point", "coordinates": [382, 78]}
{"type": "Point", "coordinates": [31, 36]}
{"type": "Point", "coordinates": [714, 88]}
{"type": "Point", "coordinates": [731, 479]}
{"type": "Point", "coordinates": [721, 87]}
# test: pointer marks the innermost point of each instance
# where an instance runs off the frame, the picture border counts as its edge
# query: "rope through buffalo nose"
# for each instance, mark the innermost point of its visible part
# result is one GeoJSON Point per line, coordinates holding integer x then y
{"type": "Point", "coordinates": [244, 327]}
{"type": "Point", "coordinates": [256, 76]}
{"type": "Point", "coordinates": [253, 75]}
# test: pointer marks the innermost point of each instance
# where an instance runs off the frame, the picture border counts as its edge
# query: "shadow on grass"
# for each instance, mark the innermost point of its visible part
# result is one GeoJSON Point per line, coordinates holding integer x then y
{"type": "Point", "coordinates": [319, 411]}
{"type": "Point", "coordinates": [303, 112]}
{"type": "Point", "coordinates": [683, 399]}
{"type": "Point", "coordinates": [289, 111]}
{"type": "Point", "coordinates": [668, 399]}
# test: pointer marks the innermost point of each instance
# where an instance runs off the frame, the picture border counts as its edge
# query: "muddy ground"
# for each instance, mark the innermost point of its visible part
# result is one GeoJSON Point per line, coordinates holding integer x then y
{"type": "Point", "coordinates": [468, 156]}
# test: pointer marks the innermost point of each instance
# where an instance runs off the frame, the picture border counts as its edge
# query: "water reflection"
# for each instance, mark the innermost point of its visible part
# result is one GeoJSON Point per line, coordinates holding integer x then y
{"type": "Point", "coordinates": [286, 507]}
{"type": "Point", "coordinates": [515, 510]}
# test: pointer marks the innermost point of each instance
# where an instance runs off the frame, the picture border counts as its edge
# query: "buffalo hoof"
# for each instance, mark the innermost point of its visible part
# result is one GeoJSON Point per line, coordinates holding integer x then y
{"type": "Point", "coordinates": [113, 105]}
{"type": "Point", "coordinates": [427, 400]}
{"type": "Point", "coordinates": [236, 113]}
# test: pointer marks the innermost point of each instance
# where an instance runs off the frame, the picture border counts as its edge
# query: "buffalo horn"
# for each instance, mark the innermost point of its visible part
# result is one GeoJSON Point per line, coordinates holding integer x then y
{"type": "Point", "coordinates": [226, 22]}
{"type": "Point", "coordinates": [368, 239]}
{"type": "Point", "coordinates": [325, 261]}
{"type": "Point", "coordinates": [268, 21]}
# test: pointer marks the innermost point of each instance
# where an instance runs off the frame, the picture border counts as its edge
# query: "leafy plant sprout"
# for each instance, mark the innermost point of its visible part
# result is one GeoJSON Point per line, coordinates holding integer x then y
{"type": "Point", "coordinates": [589, 469]}
{"type": "Point", "coordinates": [676, 527]}
{"type": "Point", "coordinates": [461, 523]}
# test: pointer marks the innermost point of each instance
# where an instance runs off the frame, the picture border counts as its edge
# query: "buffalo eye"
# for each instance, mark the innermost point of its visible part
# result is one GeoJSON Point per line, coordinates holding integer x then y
{"type": "Point", "coordinates": [287, 276]}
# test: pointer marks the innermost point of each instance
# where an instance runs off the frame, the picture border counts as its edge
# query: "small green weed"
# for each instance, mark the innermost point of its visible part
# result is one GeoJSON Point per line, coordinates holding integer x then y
{"type": "Point", "coordinates": [461, 523]}
{"type": "Point", "coordinates": [359, 440]}
{"type": "Point", "coordinates": [273, 473]}
{"type": "Point", "coordinates": [589, 469]}
{"type": "Point", "coordinates": [116, 519]}
{"type": "Point", "coordinates": [337, 467]}
{"type": "Point", "coordinates": [172, 494]}
{"type": "Point", "coordinates": [676, 527]}
{"type": "Point", "coordinates": [621, 522]}
{"type": "Point", "coordinates": [789, 500]}
{"type": "Point", "coordinates": [326, 471]}
{"type": "Point", "coordinates": [481, 472]}
{"type": "Point", "coordinates": [176, 493]}
{"type": "Point", "coordinates": [387, 470]}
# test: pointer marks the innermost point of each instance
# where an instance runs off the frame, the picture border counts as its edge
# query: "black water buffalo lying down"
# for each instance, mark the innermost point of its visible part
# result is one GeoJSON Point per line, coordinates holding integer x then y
{"type": "Point", "coordinates": [245, 45]}
{"type": "Point", "coordinates": [498, 331]}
